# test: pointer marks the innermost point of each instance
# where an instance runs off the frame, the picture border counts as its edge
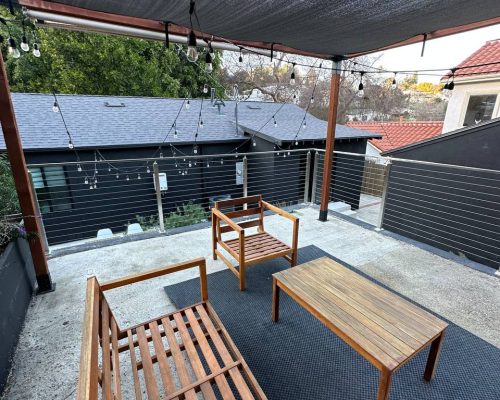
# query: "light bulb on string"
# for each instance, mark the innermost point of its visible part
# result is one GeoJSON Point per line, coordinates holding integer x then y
{"type": "Point", "coordinates": [109, 169]}
{"type": "Point", "coordinates": [201, 124]}
{"type": "Point", "coordinates": [95, 185]}
{"type": "Point", "coordinates": [13, 50]}
{"type": "Point", "coordinates": [79, 168]}
{"type": "Point", "coordinates": [195, 149]}
{"type": "Point", "coordinates": [394, 84]}
{"type": "Point", "coordinates": [24, 44]}
{"type": "Point", "coordinates": [190, 165]}
{"type": "Point", "coordinates": [188, 104]}
{"type": "Point", "coordinates": [148, 170]}
{"type": "Point", "coordinates": [117, 176]}
{"type": "Point", "coordinates": [161, 155]}
{"type": "Point", "coordinates": [36, 50]}
{"type": "Point", "coordinates": [292, 75]}
{"type": "Point", "coordinates": [304, 124]}
{"type": "Point", "coordinates": [70, 145]}
{"type": "Point", "coordinates": [296, 143]}
{"type": "Point", "coordinates": [208, 62]}
{"type": "Point", "coordinates": [55, 107]}
{"type": "Point", "coordinates": [361, 92]}
{"type": "Point", "coordinates": [138, 176]}
{"type": "Point", "coordinates": [175, 134]}
{"type": "Point", "coordinates": [208, 164]}
{"type": "Point", "coordinates": [192, 52]}
{"type": "Point", "coordinates": [240, 58]}
{"type": "Point", "coordinates": [221, 161]}
{"type": "Point", "coordinates": [86, 181]}
{"type": "Point", "coordinates": [288, 153]}
{"type": "Point", "coordinates": [95, 181]}
{"type": "Point", "coordinates": [254, 143]}
{"type": "Point", "coordinates": [91, 187]}
{"type": "Point", "coordinates": [205, 88]}
{"type": "Point", "coordinates": [275, 123]}
{"type": "Point", "coordinates": [312, 99]}
{"type": "Point", "coordinates": [127, 178]}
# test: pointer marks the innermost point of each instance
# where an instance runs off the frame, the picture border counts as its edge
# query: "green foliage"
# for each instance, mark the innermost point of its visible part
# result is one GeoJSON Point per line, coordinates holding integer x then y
{"type": "Point", "coordinates": [147, 222]}
{"type": "Point", "coordinates": [8, 195]}
{"type": "Point", "coordinates": [187, 214]}
{"type": "Point", "coordinates": [90, 63]}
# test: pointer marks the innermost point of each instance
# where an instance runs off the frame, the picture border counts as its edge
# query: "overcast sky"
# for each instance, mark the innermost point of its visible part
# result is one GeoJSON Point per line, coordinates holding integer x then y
{"type": "Point", "coordinates": [439, 53]}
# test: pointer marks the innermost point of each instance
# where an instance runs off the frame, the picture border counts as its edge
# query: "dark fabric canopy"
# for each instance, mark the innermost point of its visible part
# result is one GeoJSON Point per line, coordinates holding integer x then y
{"type": "Point", "coordinates": [321, 27]}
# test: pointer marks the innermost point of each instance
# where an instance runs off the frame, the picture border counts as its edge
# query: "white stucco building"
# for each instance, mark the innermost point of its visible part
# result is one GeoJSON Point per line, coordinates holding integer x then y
{"type": "Point", "coordinates": [476, 95]}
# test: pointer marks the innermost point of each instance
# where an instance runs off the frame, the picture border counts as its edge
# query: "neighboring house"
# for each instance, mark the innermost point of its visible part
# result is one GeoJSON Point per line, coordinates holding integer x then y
{"type": "Point", "coordinates": [119, 128]}
{"type": "Point", "coordinates": [453, 208]}
{"type": "Point", "coordinates": [397, 134]}
{"type": "Point", "coordinates": [475, 97]}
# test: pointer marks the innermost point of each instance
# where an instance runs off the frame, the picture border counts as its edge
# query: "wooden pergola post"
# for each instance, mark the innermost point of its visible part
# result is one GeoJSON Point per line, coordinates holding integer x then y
{"type": "Point", "coordinates": [330, 139]}
{"type": "Point", "coordinates": [22, 182]}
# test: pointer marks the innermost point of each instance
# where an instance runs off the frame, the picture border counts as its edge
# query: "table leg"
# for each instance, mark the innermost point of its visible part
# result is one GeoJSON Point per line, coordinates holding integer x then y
{"type": "Point", "coordinates": [384, 385]}
{"type": "Point", "coordinates": [276, 300]}
{"type": "Point", "coordinates": [432, 360]}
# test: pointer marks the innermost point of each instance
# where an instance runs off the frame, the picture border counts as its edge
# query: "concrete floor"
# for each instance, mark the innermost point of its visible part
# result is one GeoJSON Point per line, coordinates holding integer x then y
{"type": "Point", "coordinates": [46, 362]}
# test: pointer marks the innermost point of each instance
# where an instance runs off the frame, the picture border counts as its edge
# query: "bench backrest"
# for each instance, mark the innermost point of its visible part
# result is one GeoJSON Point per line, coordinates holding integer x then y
{"type": "Point", "coordinates": [242, 207]}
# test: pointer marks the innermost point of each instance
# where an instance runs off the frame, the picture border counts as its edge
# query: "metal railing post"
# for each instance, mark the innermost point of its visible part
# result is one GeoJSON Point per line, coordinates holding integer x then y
{"type": "Point", "coordinates": [156, 173]}
{"type": "Point", "coordinates": [245, 179]}
{"type": "Point", "coordinates": [308, 176]}
{"type": "Point", "coordinates": [45, 242]}
{"type": "Point", "coordinates": [315, 177]}
{"type": "Point", "coordinates": [384, 195]}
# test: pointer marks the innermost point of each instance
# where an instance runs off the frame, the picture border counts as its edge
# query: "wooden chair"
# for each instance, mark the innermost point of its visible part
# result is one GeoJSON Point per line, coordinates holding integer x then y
{"type": "Point", "coordinates": [250, 249]}
{"type": "Point", "coordinates": [192, 348]}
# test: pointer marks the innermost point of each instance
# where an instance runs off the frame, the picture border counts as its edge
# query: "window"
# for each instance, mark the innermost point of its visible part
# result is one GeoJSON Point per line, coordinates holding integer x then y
{"type": "Point", "coordinates": [479, 109]}
{"type": "Point", "coordinates": [51, 189]}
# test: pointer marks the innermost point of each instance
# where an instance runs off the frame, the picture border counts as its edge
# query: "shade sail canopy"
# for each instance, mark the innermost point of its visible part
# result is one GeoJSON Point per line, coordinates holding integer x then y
{"type": "Point", "coordinates": [323, 28]}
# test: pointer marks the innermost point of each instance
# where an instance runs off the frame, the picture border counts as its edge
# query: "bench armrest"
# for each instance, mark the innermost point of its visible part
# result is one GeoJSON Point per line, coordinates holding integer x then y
{"type": "Point", "coordinates": [198, 262]}
{"type": "Point", "coordinates": [227, 220]}
{"type": "Point", "coordinates": [279, 211]}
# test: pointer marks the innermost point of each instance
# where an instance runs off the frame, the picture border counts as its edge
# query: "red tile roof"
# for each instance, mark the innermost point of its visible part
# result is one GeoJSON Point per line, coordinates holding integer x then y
{"type": "Point", "coordinates": [397, 134]}
{"type": "Point", "coordinates": [488, 53]}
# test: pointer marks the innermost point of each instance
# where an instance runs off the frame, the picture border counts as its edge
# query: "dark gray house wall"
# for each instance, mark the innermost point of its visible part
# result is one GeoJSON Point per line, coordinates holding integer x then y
{"type": "Point", "coordinates": [457, 210]}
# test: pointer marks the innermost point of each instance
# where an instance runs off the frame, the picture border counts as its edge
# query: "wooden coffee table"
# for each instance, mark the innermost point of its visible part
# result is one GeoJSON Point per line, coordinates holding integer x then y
{"type": "Point", "coordinates": [381, 326]}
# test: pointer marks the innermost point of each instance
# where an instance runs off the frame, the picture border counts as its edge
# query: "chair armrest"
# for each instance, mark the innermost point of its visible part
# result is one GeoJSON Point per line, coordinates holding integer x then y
{"type": "Point", "coordinates": [279, 211]}
{"type": "Point", "coordinates": [198, 262]}
{"type": "Point", "coordinates": [227, 220]}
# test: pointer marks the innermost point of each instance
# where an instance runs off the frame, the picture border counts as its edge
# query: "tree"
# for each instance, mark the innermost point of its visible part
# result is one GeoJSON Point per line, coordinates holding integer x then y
{"type": "Point", "coordinates": [91, 63]}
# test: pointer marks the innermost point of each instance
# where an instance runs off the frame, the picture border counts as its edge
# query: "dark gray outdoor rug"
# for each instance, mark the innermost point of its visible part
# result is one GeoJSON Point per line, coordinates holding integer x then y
{"type": "Point", "coordinates": [299, 359]}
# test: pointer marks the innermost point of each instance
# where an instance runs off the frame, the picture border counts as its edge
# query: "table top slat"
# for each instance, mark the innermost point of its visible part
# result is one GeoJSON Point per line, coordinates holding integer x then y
{"type": "Point", "coordinates": [385, 328]}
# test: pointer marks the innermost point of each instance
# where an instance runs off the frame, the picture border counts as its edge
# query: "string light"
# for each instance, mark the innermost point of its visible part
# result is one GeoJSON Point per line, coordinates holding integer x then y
{"type": "Point", "coordinates": [138, 176]}
{"type": "Point", "coordinates": [304, 124]}
{"type": "Point", "coordinates": [451, 85]}
{"type": "Point", "coordinates": [86, 181]}
{"type": "Point", "coordinates": [127, 178]}
{"type": "Point", "coordinates": [205, 88]}
{"type": "Point", "coordinates": [275, 123]}
{"type": "Point", "coordinates": [175, 130]}
{"type": "Point", "coordinates": [188, 104]}
{"type": "Point", "coordinates": [312, 99]}
{"type": "Point", "coordinates": [195, 149]}
{"type": "Point", "coordinates": [208, 62]}
{"type": "Point", "coordinates": [55, 107]}
{"type": "Point", "coordinates": [292, 76]}
{"type": "Point", "coordinates": [148, 170]}
{"type": "Point", "coordinates": [394, 83]}
{"type": "Point", "coordinates": [361, 92]}
{"type": "Point", "coordinates": [79, 168]}
{"type": "Point", "coordinates": [240, 59]}
{"type": "Point", "coordinates": [192, 52]}
{"type": "Point", "coordinates": [254, 143]}
{"type": "Point", "coordinates": [13, 50]}
{"type": "Point", "coordinates": [117, 176]}
{"type": "Point", "coordinates": [70, 145]}
{"type": "Point", "coordinates": [201, 123]}
{"type": "Point", "coordinates": [36, 46]}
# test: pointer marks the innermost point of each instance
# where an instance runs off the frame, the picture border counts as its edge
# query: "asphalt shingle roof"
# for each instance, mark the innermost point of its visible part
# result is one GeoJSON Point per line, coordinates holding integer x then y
{"type": "Point", "coordinates": [146, 121]}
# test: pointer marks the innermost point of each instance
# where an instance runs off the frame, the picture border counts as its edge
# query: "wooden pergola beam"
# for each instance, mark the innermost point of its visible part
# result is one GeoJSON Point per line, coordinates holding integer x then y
{"type": "Point", "coordinates": [22, 182]}
{"type": "Point", "coordinates": [330, 140]}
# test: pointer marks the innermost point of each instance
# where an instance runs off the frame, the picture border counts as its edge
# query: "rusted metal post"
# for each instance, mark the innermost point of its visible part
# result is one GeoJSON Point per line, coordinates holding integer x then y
{"type": "Point", "coordinates": [156, 173]}
{"type": "Point", "coordinates": [384, 195]}
{"type": "Point", "coordinates": [245, 180]}
{"type": "Point", "coordinates": [315, 177]}
{"type": "Point", "coordinates": [308, 176]}
{"type": "Point", "coordinates": [330, 139]}
{"type": "Point", "coordinates": [22, 183]}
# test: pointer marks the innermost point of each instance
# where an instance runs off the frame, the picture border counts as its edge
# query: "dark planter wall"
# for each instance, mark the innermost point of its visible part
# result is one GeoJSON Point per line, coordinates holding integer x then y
{"type": "Point", "coordinates": [17, 282]}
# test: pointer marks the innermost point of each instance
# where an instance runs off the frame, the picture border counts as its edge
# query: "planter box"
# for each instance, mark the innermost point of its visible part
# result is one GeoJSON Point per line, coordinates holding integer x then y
{"type": "Point", "coordinates": [17, 283]}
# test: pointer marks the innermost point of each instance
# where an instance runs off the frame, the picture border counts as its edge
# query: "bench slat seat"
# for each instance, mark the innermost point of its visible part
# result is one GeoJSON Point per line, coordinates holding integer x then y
{"type": "Point", "coordinates": [180, 355]}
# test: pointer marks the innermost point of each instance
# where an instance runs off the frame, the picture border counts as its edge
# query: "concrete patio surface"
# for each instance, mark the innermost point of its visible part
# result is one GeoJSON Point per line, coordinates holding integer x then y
{"type": "Point", "coordinates": [46, 361]}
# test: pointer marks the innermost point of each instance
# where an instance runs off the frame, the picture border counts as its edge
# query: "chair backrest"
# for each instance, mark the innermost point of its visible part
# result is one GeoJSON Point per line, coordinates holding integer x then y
{"type": "Point", "coordinates": [242, 207]}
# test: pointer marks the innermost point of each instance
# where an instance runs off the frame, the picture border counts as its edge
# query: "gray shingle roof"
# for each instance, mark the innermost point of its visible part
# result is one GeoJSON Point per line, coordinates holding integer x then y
{"type": "Point", "coordinates": [146, 121]}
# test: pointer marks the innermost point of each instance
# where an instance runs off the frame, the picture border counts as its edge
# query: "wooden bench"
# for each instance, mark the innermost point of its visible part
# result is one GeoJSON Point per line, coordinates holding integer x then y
{"type": "Point", "coordinates": [249, 249]}
{"type": "Point", "coordinates": [175, 356]}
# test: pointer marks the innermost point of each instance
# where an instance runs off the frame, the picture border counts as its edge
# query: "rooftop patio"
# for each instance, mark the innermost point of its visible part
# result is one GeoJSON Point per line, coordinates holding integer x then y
{"type": "Point", "coordinates": [46, 362]}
